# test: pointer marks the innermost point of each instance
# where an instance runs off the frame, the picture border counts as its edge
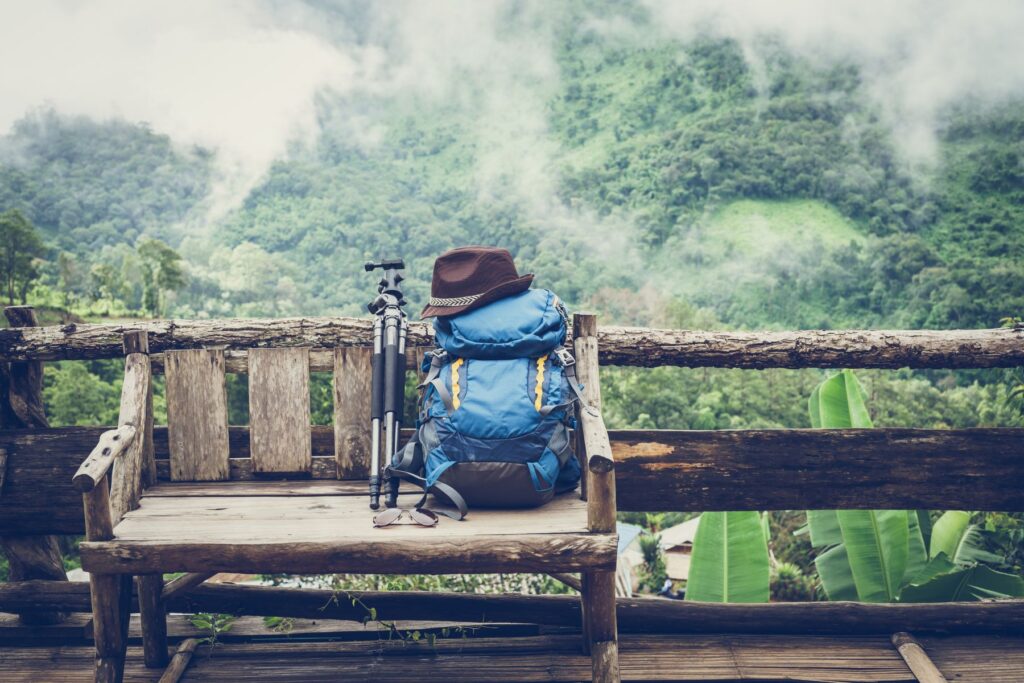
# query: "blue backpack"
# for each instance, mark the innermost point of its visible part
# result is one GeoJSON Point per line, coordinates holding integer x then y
{"type": "Point", "coordinates": [496, 407]}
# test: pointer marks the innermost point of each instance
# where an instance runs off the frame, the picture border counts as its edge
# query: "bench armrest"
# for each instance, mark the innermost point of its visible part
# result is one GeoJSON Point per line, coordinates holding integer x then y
{"type": "Point", "coordinates": [596, 441]}
{"type": "Point", "coordinates": [112, 444]}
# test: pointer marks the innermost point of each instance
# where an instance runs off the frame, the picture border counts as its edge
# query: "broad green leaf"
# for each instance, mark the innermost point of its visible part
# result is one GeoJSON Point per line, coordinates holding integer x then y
{"type": "Point", "coordinates": [814, 407]}
{"type": "Point", "coordinates": [947, 533]}
{"type": "Point", "coordinates": [974, 583]}
{"type": "Point", "coordinates": [917, 556]}
{"type": "Point", "coordinates": [960, 540]}
{"type": "Point", "coordinates": [838, 403]}
{"type": "Point", "coordinates": [836, 576]}
{"type": "Point", "coordinates": [924, 520]}
{"type": "Point", "coordinates": [824, 528]}
{"type": "Point", "coordinates": [877, 545]}
{"type": "Point", "coordinates": [936, 566]}
{"type": "Point", "coordinates": [730, 559]}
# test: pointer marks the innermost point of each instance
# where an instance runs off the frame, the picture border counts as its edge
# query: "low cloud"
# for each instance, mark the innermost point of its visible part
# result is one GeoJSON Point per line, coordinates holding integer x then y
{"type": "Point", "coordinates": [916, 58]}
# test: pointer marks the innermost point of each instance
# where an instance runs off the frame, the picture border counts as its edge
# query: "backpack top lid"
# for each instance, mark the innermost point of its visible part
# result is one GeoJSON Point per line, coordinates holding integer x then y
{"type": "Point", "coordinates": [525, 325]}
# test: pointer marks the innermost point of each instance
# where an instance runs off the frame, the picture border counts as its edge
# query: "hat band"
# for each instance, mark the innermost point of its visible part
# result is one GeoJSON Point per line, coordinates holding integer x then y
{"type": "Point", "coordinates": [456, 301]}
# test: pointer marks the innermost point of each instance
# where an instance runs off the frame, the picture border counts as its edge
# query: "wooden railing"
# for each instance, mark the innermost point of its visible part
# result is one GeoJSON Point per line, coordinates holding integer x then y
{"type": "Point", "coordinates": [975, 469]}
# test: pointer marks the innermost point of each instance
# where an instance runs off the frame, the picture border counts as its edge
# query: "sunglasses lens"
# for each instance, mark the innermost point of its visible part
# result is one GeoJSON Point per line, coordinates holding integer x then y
{"type": "Point", "coordinates": [389, 516]}
{"type": "Point", "coordinates": [423, 517]}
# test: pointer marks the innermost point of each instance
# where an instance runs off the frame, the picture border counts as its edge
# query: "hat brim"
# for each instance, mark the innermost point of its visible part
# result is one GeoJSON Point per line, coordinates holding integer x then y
{"type": "Point", "coordinates": [505, 289]}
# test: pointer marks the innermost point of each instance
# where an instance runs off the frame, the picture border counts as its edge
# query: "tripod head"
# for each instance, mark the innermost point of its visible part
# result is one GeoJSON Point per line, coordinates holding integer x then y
{"type": "Point", "coordinates": [389, 288]}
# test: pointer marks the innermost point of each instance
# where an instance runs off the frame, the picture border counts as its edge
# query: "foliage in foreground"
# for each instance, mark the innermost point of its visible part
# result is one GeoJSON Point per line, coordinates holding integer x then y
{"type": "Point", "coordinates": [863, 555]}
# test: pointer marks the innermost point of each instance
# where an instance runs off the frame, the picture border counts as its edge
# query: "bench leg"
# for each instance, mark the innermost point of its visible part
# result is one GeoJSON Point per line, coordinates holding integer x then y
{"type": "Point", "coordinates": [600, 627]}
{"type": "Point", "coordinates": [153, 616]}
{"type": "Point", "coordinates": [111, 602]}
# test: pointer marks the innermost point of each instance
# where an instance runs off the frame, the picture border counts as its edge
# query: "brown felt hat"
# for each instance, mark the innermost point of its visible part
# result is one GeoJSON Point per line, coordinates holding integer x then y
{"type": "Point", "coordinates": [470, 277]}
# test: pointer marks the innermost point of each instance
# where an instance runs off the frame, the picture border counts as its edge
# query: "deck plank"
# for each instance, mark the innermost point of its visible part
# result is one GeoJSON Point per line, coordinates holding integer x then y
{"type": "Point", "coordinates": [967, 659]}
{"type": "Point", "coordinates": [538, 658]}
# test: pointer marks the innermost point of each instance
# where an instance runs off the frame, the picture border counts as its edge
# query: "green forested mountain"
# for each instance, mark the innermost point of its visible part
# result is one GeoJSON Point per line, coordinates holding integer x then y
{"type": "Point", "coordinates": [658, 182]}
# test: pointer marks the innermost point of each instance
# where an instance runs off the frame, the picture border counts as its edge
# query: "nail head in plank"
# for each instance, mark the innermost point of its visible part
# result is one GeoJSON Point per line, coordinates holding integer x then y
{"type": "Point", "coordinates": [197, 415]}
{"type": "Point", "coordinates": [279, 410]}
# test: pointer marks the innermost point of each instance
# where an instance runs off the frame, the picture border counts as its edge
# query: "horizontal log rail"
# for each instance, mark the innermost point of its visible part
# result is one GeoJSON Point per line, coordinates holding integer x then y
{"type": "Point", "coordinates": [617, 345]}
{"type": "Point", "coordinates": [971, 469]}
{"type": "Point", "coordinates": [652, 615]}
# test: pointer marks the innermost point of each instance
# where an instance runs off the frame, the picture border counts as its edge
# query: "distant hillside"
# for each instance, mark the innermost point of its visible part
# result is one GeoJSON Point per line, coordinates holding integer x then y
{"type": "Point", "coordinates": [775, 201]}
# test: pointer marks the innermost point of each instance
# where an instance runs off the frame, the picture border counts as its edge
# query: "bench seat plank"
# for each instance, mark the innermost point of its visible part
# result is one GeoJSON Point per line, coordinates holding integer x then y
{"type": "Point", "coordinates": [305, 529]}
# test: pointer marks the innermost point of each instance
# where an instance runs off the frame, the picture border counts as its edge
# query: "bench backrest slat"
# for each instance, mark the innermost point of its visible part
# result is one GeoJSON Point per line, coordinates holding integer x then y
{"type": "Point", "coordinates": [197, 415]}
{"type": "Point", "coordinates": [279, 419]}
{"type": "Point", "coordinates": [352, 432]}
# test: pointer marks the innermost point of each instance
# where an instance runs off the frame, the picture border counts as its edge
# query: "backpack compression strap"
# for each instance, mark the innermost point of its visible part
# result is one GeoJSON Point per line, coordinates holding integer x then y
{"type": "Point", "coordinates": [401, 470]}
{"type": "Point", "coordinates": [563, 358]}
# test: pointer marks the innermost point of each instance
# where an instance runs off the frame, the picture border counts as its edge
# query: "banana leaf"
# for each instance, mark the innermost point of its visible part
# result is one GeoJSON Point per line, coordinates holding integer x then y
{"type": "Point", "coordinates": [941, 581]}
{"type": "Point", "coordinates": [730, 559]}
{"type": "Point", "coordinates": [962, 542]}
{"type": "Point", "coordinates": [878, 547]}
{"type": "Point", "coordinates": [839, 403]}
{"type": "Point", "coordinates": [833, 567]}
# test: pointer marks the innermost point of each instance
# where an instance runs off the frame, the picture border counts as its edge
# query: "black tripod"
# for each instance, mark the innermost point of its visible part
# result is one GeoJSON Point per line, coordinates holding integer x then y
{"type": "Point", "coordinates": [390, 328]}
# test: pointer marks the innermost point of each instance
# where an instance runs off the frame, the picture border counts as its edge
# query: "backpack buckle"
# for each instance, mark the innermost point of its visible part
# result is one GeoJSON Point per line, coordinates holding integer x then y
{"type": "Point", "coordinates": [563, 357]}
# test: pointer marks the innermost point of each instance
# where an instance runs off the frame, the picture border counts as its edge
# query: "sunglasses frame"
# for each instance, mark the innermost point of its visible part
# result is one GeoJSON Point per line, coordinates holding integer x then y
{"type": "Point", "coordinates": [415, 514]}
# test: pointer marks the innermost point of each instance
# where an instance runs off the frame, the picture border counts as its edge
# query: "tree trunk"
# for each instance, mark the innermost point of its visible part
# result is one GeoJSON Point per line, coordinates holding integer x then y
{"type": "Point", "coordinates": [30, 557]}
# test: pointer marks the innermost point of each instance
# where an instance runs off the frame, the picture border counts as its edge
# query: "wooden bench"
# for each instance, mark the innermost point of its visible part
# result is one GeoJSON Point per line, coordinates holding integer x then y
{"type": "Point", "coordinates": [283, 521]}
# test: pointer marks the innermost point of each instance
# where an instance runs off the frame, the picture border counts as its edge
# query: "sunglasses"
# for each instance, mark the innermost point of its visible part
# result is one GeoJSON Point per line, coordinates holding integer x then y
{"type": "Point", "coordinates": [392, 515]}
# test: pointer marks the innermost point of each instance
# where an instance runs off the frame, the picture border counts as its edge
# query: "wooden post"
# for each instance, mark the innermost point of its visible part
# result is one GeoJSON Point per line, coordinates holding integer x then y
{"type": "Point", "coordinates": [127, 475]}
{"type": "Point", "coordinates": [352, 385]}
{"type": "Point", "coordinates": [917, 659]}
{"type": "Point", "coordinates": [21, 406]}
{"type": "Point", "coordinates": [153, 615]}
{"type": "Point", "coordinates": [110, 593]}
{"type": "Point", "coordinates": [600, 629]}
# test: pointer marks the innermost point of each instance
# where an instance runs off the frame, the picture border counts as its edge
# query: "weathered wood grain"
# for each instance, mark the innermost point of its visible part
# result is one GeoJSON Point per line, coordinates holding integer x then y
{"type": "Point", "coordinates": [179, 663]}
{"type": "Point", "coordinates": [299, 534]}
{"type": "Point", "coordinates": [352, 383]}
{"type": "Point", "coordinates": [279, 439]}
{"type": "Point", "coordinates": [917, 660]}
{"type": "Point", "coordinates": [536, 658]}
{"type": "Point", "coordinates": [87, 341]}
{"type": "Point", "coordinates": [787, 469]}
{"type": "Point", "coordinates": [976, 659]}
{"type": "Point", "coordinates": [974, 469]}
{"type": "Point", "coordinates": [126, 477]}
{"type": "Point", "coordinates": [595, 438]}
{"type": "Point", "coordinates": [21, 406]}
{"type": "Point", "coordinates": [600, 487]}
{"type": "Point", "coordinates": [471, 554]}
{"type": "Point", "coordinates": [183, 584]}
{"type": "Point", "coordinates": [635, 615]}
{"type": "Point", "coordinates": [110, 624]}
{"type": "Point", "coordinates": [197, 415]}
{"type": "Point", "coordinates": [813, 348]}
{"type": "Point", "coordinates": [619, 345]}
{"type": "Point", "coordinates": [112, 445]}
{"type": "Point", "coordinates": [99, 525]}
{"type": "Point", "coordinates": [604, 662]}
{"type": "Point", "coordinates": [153, 618]}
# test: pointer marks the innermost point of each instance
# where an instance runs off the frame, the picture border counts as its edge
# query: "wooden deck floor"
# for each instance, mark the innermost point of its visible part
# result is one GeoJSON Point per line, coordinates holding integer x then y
{"type": "Point", "coordinates": [304, 655]}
